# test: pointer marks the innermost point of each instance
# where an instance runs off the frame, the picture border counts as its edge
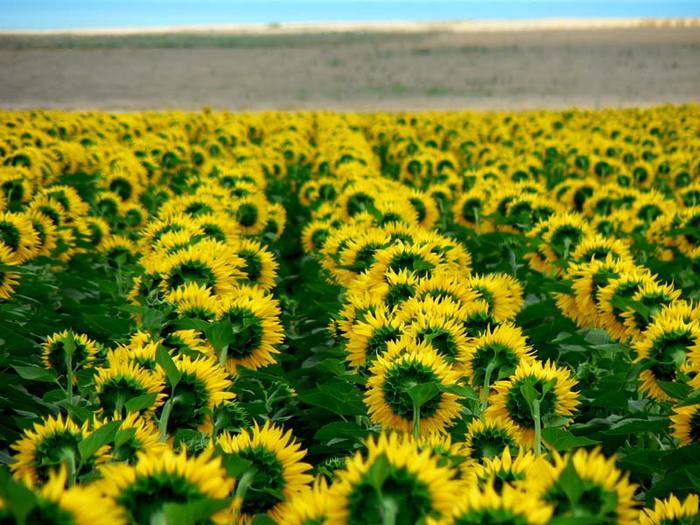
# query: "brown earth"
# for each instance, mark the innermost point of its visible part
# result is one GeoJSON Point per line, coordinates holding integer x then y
{"type": "Point", "coordinates": [356, 71]}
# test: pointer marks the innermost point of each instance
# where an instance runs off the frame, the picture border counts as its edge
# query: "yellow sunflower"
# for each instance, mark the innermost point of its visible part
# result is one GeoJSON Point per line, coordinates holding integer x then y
{"type": "Point", "coordinates": [552, 388]}
{"type": "Point", "coordinates": [160, 476]}
{"type": "Point", "coordinates": [278, 473]}
{"type": "Point", "coordinates": [48, 444]}
{"type": "Point", "coordinates": [309, 506]}
{"type": "Point", "coordinates": [8, 278]}
{"type": "Point", "coordinates": [686, 424]}
{"type": "Point", "coordinates": [19, 236]}
{"type": "Point", "coordinates": [604, 492]}
{"type": "Point", "coordinates": [254, 317]}
{"type": "Point", "coordinates": [122, 381]}
{"type": "Point", "coordinates": [55, 351]}
{"type": "Point", "coordinates": [487, 438]}
{"type": "Point", "coordinates": [672, 511]}
{"type": "Point", "coordinates": [369, 336]}
{"type": "Point", "coordinates": [395, 373]}
{"type": "Point", "coordinates": [394, 482]}
{"type": "Point", "coordinates": [481, 505]}
{"type": "Point", "coordinates": [260, 266]}
{"type": "Point", "coordinates": [193, 300]}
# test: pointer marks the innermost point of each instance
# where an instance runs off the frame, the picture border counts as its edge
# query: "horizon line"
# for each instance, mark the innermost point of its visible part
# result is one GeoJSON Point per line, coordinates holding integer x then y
{"type": "Point", "coordinates": [407, 26]}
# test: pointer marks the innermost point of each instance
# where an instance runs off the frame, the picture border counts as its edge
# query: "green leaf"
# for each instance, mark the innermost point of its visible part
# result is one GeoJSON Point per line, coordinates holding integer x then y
{"type": "Point", "coordinates": [123, 436]}
{"type": "Point", "coordinates": [35, 373]}
{"type": "Point", "coordinates": [421, 394]}
{"type": "Point", "coordinates": [166, 363]}
{"type": "Point", "coordinates": [675, 390]}
{"type": "Point", "coordinates": [378, 472]}
{"type": "Point", "coordinates": [234, 464]}
{"type": "Point", "coordinates": [193, 512]}
{"type": "Point", "coordinates": [100, 437]}
{"type": "Point", "coordinates": [341, 430]}
{"type": "Point", "coordinates": [138, 403]}
{"type": "Point", "coordinates": [19, 499]}
{"type": "Point", "coordinates": [563, 440]}
{"type": "Point", "coordinates": [463, 391]}
{"type": "Point", "coordinates": [262, 519]}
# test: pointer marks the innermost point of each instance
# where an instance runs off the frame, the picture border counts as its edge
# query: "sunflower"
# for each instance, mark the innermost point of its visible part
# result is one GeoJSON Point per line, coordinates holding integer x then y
{"type": "Point", "coordinates": [8, 279]}
{"type": "Point", "coordinates": [369, 336]}
{"type": "Point", "coordinates": [672, 511]}
{"type": "Point", "coordinates": [218, 227]}
{"type": "Point", "coordinates": [496, 353]}
{"type": "Point", "coordinates": [159, 477]}
{"type": "Point", "coordinates": [207, 264]}
{"type": "Point", "coordinates": [192, 343]}
{"type": "Point", "coordinates": [315, 234]}
{"type": "Point", "coordinates": [487, 438]}
{"type": "Point", "coordinates": [445, 335]}
{"type": "Point", "coordinates": [48, 444]}
{"type": "Point", "coordinates": [454, 257]}
{"type": "Point", "coordinates": [203, 385]}
{"type": "Point", "coordinates": [194, 301]}
{"type": "Point", "coordinates": [446, 285]}
{"type": "Point", "coordinates": [653, 297]}
{"type": "Point", "coordinates": [358, 255]}
{"type": "Point", "coordinates": [254, 317]}
{"type": "Point", "coordinates": [610, 315]}
{"type": "Point", "coordinates": [58, 346]}
{"type": "Point", "coordinates": [46, 232]}
{"type": "Point", "coordinates": [135, 434]}
{"type": "Point", "coordinates": [486, 505]}
{"type": "Point", "coordinates": [77, 505]}
{"type": "Point", "coordinates": [395, 479]}
{"type": "Point", "coordinates": [665, 349]}
{"type": "Point", "coordinates": [279, 473]}
{"type": "Point", "coordinates": [119, 250]}
{"type": "Point", "coordinates": [604, 493]}
{"type": "Point", "coordinates": [19, 236]}
{"type": "Point", "coordinates": [387, 397]}
{"type": "Point", "coordinates": [425, 208]}
{"type": "Point", "coordinates": [469, 210]}
{"type": "Point", "coordinates": [260, 266]}
{"type": "Point", "coordinates": [251, 213]}
{"type": "Point", "coordinates": [686, 424]}
{"type": "Point", "coordinates": [553, 386]}
{"type": "Point", "coordinates": [506, 469]}
{"type": "Point", "coordinates": [140, 351]}
{"type": "Point", "coordinates": [69, 198]}
{"type": "Point", "coordinates": [417, 260]}
{"type": "Point", "coordinates": [122, 381]}
{"type": "Point", "coordinates": [309, 506]}
{"type": "Point", "coordinates": [450, 454]}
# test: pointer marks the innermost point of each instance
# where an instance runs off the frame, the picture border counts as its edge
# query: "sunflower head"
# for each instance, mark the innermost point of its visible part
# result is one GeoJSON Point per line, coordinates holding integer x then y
{"type": "Point", "coordinates": [278, 473]}
{"type": "Point", "coordinates": [672, 511]}
{"type": "Point", "coordinates": [488, 438]}
{"type": "Point", "coordinates": [586, 484]}
{"type": "Point", "coordinates": [395, 476]}
{"type": "Point", "coordinates": [123, 381]}
{"type": "Point", "coordinates": [686, 424]}
{"type": "Point", "coordinates": [63, 348]}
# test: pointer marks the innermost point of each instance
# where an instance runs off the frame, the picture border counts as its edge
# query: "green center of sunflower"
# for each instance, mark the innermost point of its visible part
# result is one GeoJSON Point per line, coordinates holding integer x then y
{"type": "Point", "coordinates": [441, 294]}
{"type": "Point", "coordinates": [266, 488]}
{"type": "Point", "coordinates": [580, 197]}
{"type": "Point", "coordinates": [377, 343]}
{"type": "Point", "coordinates": [412, 262]}
{"type": "Point", "coordinates": [10, 235]}
{"type": "Point", "coordinates": [470, 210]}
{"type": "Point", "coordinates": [319, 238]}
{"type": "Point", "coordinates": [364, 258]}
{"type": "Point", "coordinates": [52, 214]}
{"type": "Point", "coordinates": [491, 517]}
{"type": "Point", "coordinates": [247, 215]}
{"type": "Point", "coordinates": [359, 203]}
{"type": "Point", "coordinates": [57, 355]}
{"type": "Point", "coordinates": [654, 302]}
{"type": "Point", "coordinates": [399, 293]}
{"type": "Point", "coordinates": [668, 353]}
{"type": "Point", "coordinates": [117, 391]}
{"type": "Point", "coordinates": [695, 426]}
{"type": "Point", "coordinates": [692, 227]}
{"type": "Point", "coordinates": [441, 340]}
{"type": "Point", "coordinates": [48, 513]}
{"type": "Point", "coordinates": [146, 496]}
{"type": "Point", "coordinates": [624, 291]}
{"type": "Point", "coordinates": [41, 231]}
{"type": "Point", "coordinates": [477, 323]}
{"type": "Point", "coordinates": [249, 332]}
{"type": "Point", "coordinates": [190, 402]}
{"type": "Point", "coordinates": [502, 359]}
{"type": "Point", "coordinates": [108, 207]}
{"type": "Point", "coordinates": [53, 449]}
{"type": "Point", "coordinates": [14, 192]}
{"type": "Point", "coordinates": [121, 187]}
{"type": "Point", "coordinates": [253, 264]}
{"type": "Point", "coordinates": [197, 209]}
{"type": "Point", "coordinates": [491, 442]}
{"type": "Point", "coordinates": [192, 272]}
{"type": "Point", "coordinates": [518, 407]}
{"type": "Point", "coordinates": [419, 206]}
{"type": "Point", "coordinates": [212, 231]}
{"type": "Point", "coordinates": [410, 496]}
{"type": "Point", "coordinates": [589, 500]}
{"type": "Point", "coordinates": [400, 378]}
{"type": "Point", "coordinates": [564, 240]}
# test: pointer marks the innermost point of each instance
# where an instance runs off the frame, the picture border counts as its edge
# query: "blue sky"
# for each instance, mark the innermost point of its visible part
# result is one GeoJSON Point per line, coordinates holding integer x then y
{"type": "Point", "coordinates": [69, 14]}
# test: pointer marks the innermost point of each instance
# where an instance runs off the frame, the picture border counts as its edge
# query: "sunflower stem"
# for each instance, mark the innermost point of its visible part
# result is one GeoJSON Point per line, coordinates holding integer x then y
{"type": "Point", "coordinates": [389, 511]}
{"type": "Point", "coordinates": [487, 386]}
{"type": "Point", "coordinates": [68, 349]}
{"type": "Point", "coordinates": [163, 423]}
{"type": "Point", "coordinates": [538, 426]}
{"type": "Point", "coordinates": [416, 420]}
{"type": "Point", "coordinates": [69, 458]}
{"type": "Point", "coordinates": [241, 489]}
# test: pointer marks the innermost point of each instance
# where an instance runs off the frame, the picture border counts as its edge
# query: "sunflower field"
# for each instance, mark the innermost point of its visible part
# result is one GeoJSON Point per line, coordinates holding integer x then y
{"type": "Point", "coordinates": [323, 318]}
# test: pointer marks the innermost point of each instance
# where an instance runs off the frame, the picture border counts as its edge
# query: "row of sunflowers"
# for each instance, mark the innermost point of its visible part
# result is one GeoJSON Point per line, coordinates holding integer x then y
{"type": "Point", "coordinates": [320, 318]}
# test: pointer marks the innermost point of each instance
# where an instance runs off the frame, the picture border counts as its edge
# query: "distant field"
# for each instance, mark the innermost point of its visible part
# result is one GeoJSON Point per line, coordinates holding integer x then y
{"type": "Point", "coordinates": [353, 70]}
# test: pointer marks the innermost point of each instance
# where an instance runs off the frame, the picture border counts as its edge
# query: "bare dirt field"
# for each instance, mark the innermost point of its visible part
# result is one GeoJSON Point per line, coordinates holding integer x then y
{"type": "Point", "coordinates": [515, 69]}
